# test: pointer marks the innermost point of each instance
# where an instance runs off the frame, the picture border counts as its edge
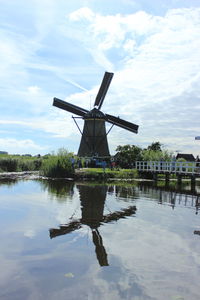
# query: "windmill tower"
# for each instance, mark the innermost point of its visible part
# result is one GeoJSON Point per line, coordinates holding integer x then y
{"type": "Point", "coordinates": [94, 136]}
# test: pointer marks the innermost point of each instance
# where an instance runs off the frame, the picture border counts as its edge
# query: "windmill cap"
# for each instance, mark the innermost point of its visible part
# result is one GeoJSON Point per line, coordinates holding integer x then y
{"type": "Point", "coordinates": [94, 113]}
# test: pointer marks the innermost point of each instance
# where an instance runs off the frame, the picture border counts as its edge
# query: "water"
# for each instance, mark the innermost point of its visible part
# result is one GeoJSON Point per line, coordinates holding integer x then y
{"type": "Point", "coordinates": [92, 241]}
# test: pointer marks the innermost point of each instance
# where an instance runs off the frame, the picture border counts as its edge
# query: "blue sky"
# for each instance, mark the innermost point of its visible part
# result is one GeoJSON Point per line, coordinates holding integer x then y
{"type": "Point", "coordinates": [61, 48]}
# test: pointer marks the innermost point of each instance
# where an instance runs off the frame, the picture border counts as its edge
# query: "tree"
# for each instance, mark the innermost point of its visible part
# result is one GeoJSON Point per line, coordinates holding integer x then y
{"type": "Point", "coordinates": [126, 155]}
{"type": "Point", "coordinates": [151, 155]}
{"type": "Point", "coordinates": [155, 146]}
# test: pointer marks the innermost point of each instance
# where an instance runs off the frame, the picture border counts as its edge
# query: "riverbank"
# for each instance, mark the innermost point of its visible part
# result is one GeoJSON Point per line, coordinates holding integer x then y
{"type": "Point", "coordinates": [80, 174]}
{"type": "Point", "coordinates": [85, 174]}
{"type": "Point", "coordinates": [107, 174]}
{"type": "Point", "coordinates": [20, 175]}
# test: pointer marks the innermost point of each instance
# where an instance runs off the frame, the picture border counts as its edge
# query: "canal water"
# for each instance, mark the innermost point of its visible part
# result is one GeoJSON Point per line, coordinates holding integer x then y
{"type": "Point", "coordinates": [64, 240]}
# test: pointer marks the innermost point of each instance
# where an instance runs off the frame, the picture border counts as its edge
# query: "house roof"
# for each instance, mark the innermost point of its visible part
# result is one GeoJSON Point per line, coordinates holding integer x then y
{"type": "Point", "coordinates": [187, 157]}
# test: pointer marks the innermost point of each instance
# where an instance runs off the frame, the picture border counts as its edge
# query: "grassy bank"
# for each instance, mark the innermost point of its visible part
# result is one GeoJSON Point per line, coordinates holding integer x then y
{"type": "Point", "coordinates": [100, 174]}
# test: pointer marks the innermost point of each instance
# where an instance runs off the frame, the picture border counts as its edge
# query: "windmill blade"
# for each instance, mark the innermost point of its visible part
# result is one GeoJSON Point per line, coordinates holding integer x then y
{"type": "Point", "coordinates": [64, 229]}
{"type": "Point", "coordinates": [69, 107]}
{"type": "Point", "coordinates": [103, 89]}
{"type": "Point", "coordinates": [99, 248]}
{"type": "Point", "coordinates": [122, 123]}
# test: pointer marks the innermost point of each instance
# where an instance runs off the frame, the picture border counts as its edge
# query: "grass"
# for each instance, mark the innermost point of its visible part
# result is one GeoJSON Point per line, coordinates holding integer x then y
{"type": "Point", "coordinates": [99, 173]}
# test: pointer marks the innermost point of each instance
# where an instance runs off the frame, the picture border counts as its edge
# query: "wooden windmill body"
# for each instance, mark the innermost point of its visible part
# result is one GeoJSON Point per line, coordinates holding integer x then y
{"type": "Point", "coordinates": [94, 141]}
{"type": "Point", "coordinates": [94, 138]}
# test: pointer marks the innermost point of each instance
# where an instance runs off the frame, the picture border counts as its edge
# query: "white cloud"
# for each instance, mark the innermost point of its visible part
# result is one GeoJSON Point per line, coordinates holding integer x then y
{"type": "Point", "coordinates": [30, 233]}
{"type": "Point", "coordinates": [17, 146]}
{"type": "Point", "coordinates": [82, 13]}
{"type": "Point", "coordinates": [164, 51]}
{"type": "Point", "coordinates": [156, 60]}
{"type": "Point", "coordinates": [56, 126]}
{"type": "Point", "coordinates": [33, 89]}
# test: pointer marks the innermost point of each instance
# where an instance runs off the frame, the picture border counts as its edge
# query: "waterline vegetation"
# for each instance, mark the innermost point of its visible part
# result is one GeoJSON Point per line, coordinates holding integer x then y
{"type": "Point", "coordinates": [58, 165]}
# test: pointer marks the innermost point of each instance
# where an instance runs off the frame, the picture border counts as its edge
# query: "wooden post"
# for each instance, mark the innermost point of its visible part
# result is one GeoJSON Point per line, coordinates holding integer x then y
{"type": "Point", "coordinates": [167, 178]}
{"type": "Point", "coordinates": [155, 177]}
{"type": "Point", "coordinates": [193, 182]}
{"type": "Point", "coordinates": [179, 179]}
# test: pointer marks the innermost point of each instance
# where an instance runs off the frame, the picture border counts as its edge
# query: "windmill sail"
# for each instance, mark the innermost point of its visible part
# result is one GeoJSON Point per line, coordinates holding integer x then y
{"type": "Point", "coordinates": [103, 89]}
{"type": "Point", "coordinates": [122, 123]}
{"type": "Point", "coordinates": [69, 107]}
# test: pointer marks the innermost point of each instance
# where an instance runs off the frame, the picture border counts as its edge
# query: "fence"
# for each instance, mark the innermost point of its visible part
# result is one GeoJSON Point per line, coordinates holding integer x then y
{"type": "Point", "coordinates": [169, 167]}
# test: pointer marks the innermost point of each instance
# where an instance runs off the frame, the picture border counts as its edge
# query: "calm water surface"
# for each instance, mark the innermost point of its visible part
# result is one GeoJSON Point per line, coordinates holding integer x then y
{"type": "Point", "coordinates": [92, 241]}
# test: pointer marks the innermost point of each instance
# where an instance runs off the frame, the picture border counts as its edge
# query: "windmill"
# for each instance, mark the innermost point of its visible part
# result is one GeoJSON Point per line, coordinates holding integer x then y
{"type": "Point", "coordinates": [94, 136]}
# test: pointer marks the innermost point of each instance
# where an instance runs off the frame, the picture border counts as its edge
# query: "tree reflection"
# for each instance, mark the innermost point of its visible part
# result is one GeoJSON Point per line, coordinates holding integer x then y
{"type": "Point", "coordinates": [92, 200]}
{"type": "Point", "coordinates": [126, 191]}
{"type": "Point", "coordinates": [59, 188]}
{"type": "Point", "coordinates": [8, 182]}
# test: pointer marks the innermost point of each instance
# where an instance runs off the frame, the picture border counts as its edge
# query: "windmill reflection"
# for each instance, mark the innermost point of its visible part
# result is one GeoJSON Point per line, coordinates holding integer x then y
{"type": "Point", "coordinates": [92, 199]}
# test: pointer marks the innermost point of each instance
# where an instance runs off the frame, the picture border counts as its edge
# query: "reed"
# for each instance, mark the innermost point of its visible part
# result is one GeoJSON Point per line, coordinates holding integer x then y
{"type": "Point", "coordinates": [57, 166]}
{"type": "Point", "coordinates": [17, 164]}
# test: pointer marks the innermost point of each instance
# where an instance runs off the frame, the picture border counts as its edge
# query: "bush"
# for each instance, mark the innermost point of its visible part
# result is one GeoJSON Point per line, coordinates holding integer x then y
{"type": "Point", "coordinates": [8, 164]}
{"type": "Point", "coordinates": [25, 165]}
{"type": "Point", "coordinates": [18, 164]}
{"type": "Point", "coordinates": [57, 166]}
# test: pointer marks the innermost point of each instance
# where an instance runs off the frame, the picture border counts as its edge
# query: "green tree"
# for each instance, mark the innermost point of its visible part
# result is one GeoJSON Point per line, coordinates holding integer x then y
{"type": "Point", "coordinates": [156, 155]}
{"type": "Point", "coordinates": [126, 155]}
{"type": "Point", "coordinates": [155, 146]}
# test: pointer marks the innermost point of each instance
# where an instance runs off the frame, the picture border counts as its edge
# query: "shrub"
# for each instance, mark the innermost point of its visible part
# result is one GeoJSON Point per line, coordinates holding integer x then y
{"type": "Point", "coordinates": [57, 166]}
{"type": "Point", "coordinates": [9, 164]}
{"type": "Point", "coordinates": [24, 165]}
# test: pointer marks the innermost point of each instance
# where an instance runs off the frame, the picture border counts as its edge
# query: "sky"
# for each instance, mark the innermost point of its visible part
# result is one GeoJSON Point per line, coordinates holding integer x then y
{"type": "Point", "coordinates": [61, 48]}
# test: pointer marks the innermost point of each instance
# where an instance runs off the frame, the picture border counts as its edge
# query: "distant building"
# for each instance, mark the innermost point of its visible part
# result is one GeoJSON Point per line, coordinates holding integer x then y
{"type": "Point", "coordinates": [3, 152]}
{"type": "Point", "coordinates": [187, 157]}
